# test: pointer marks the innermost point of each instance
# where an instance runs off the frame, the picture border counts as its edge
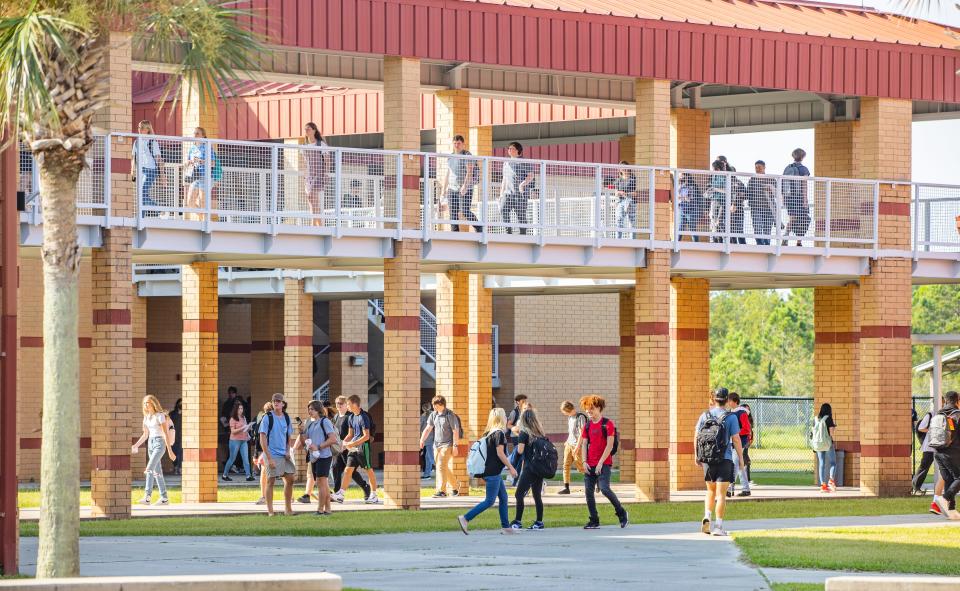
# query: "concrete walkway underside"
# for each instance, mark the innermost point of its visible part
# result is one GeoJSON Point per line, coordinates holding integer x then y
{"type": "Point", "coordinates": [662, 556]}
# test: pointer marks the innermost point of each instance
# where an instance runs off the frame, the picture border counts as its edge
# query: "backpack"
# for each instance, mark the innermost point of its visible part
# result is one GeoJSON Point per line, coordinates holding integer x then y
{"type": "Point", "coordinates": [616, 437]}
{"type": "Point", "coordinates": [477, 458]}
{"type": "Point", "coordinates": [542, 458]}
{"type": "Point", "coordinates": [712, 439]}
{"type": "Point", "coordinates": [941, 434]}
{"type": "Point", "coordinates": [337, 448]}
{"type": "Point", "coordinates": [820, 435]}
{"type": "Point", "coordinates": [581, 422]}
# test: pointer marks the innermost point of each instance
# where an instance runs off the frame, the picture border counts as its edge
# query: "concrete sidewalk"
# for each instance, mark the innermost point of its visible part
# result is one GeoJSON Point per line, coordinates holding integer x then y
{"type": "Point", "coordinates": [663, 556]}
{"type": "Point", "coordinates": [624, 491]}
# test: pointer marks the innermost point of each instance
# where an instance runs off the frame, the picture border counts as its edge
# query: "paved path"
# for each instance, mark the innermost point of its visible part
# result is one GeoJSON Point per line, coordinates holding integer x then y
{"type": "Point", "coordinates": [663, 556]}
{"type": "Point", "coordinates": [624, 491]}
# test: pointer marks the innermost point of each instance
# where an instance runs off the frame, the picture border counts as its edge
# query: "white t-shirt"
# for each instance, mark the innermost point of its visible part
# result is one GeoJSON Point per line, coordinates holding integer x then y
{"type": "Point", "coordinates": [154, 424]}
{"type": "Point", "coordinates": [925, 424]}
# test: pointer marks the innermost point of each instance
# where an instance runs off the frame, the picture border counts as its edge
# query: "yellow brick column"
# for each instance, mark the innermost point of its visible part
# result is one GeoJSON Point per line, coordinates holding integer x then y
{"type": "Point", "coordinates": [837, 148]}
{"type": "Point", "coordinates": [139, 371]}
{"type": "Point", "coordinates": [836, 368]}
{"type": "Point", "coordinates": [481, 140]}
{"type": "Point", "coordinates": [297, 352]}
{"type": "Point", "coordinates": [652, 372]}
{"type": "Point", "coordinates": [348, 338]}
{"type": "Point", "coordinates": [266, 351]}
{"type": "Point", "coordinates": [196, 113]}
{"type": "Point", "coordinates": [453, 117]}
{"type": "Point", "coordinates": [628, 148]}
{"type": "Point", "coordinates": [885, 304]}
{"type": "Point", "coordinates": [480, 357]}
{"type": "Point", "coordinates": [690, 139]}
{"type": "Point", "coordinates": [453, 300]}
{"type": "Point", "coordinates": [401, 294]}
{"type": "Point", "coordinates": [628, 387]}
{"type": "Point", "coordinates": [200, 377]}
{"type": "Point", "coordinates": [652, 144]}
{"type": "Point", "coordinates": [113, 400]}
{"type": "Point", "coordinates": [689, 375]}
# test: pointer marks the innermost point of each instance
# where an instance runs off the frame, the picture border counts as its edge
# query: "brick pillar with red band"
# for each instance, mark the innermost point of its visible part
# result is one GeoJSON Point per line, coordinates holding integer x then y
{"type": "Point", "coordinates": [200, 379]}
{"type": "Point", "coordinates": [689, 375]}
{"type": "Point", "coordinates": [652, 377]}
{"type": "Point", "coordinates": [401, 295]}
{"type": "Point", "coordinates": [628, 387]}
{"type": "Point", "coordinates": [266, 351]}
{"type": "Point", "coordinates": [652, 145]}
{"type": "Point", "coordinates": [453, 313]}
{"type": "Point", "coordinates": [297, 353]}
{"type": "Point", "coordinates": [138, 354]}
{"type": "Point", "coordinates": [885, 378]}
{"type": "Point", "coordinates": [836, 368]}
{"type": "Point", "coordinates": [348, 338]}
{"type": "Point", "coordinates": [480, 357]}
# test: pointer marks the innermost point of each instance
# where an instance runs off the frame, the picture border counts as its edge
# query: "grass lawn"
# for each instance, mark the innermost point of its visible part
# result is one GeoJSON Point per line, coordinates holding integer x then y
{"type": "Point", "coordinates": [30, 498]}
{"type": "Point", "coordinates": [380, 522]}
{"type": "Point", "coordinates": [783, 478]}
{"type": "Point", "coordinates": [896, 549]}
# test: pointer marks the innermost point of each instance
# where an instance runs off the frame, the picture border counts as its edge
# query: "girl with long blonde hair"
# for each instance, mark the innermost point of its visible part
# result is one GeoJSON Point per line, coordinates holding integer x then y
{"type": "Point", "coordinates": [155, 428]}
{"type": "Point", "coordinates": [496, 460]}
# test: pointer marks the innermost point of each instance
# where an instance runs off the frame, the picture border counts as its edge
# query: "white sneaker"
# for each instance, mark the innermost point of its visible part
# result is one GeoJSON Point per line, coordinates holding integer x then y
{"type": "Point", "coordinates": [509, 531]}
{"type": "Point", "coordinates": [144, 501]}
{"type": "Point", "coordinates": [163, 501]}
{"type": "Point", "coordinates": [719, 531]}
{"type": "Point", "coordinates": [463, 525]}
{"type": "Point", "coordinates": [944, 506]}
{"type": "Point", "coordinates": [373, 499]}
{"type": "Point", "coordinates": [337, 497]}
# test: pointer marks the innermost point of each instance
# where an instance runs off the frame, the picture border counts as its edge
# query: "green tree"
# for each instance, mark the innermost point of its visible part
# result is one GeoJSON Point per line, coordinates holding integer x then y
{"type": "Point", "coordinates": [936, 310]}
{"type": "Point", "coordinates": [51, 85]}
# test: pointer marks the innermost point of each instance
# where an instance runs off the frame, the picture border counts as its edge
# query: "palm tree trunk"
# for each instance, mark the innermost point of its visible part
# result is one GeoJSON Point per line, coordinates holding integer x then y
{"type": "Point", "coordinates": [59, 544]}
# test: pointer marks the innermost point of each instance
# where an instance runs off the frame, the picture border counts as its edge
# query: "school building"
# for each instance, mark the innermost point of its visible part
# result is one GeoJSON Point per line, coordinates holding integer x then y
{"type": "Point", "coordinates": [371, 293]}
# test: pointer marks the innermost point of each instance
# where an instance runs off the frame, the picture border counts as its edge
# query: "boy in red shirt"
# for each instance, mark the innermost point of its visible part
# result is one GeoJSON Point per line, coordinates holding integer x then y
{"type": "Point", "coordinates": [598, 439]}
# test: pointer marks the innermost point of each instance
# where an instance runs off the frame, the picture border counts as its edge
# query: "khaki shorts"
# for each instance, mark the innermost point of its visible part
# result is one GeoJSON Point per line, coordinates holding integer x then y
{"type": "Point", "coordinates": [283, 465]}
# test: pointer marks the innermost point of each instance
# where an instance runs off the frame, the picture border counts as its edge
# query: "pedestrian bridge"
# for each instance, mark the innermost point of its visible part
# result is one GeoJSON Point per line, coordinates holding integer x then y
{"type": "Point", "coordinates": [247, 204]}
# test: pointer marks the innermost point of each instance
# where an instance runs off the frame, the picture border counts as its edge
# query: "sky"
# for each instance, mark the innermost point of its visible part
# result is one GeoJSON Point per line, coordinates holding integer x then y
{"type": "Point", "coordinates": [934, 142]}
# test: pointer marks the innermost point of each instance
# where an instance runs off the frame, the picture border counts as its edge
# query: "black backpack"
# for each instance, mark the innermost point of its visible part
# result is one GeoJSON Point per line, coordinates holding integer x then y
{"type": "Point", "coordinates": [616, 437]}
{"type": "Point", "coordinates": [542, 458]}
{"type": "Point", "coordinates": [712, 439]}
{"type": "Point", "coordinates": [270, 427]}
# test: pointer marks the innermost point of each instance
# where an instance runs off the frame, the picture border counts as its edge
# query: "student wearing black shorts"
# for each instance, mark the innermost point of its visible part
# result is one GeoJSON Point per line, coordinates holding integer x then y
{"type": "Point", "coordinates": [720, 475]}
{"type": "Point", "coordinates": [357, 444]}
{"type": "Point", "coordinates": [317, 438]}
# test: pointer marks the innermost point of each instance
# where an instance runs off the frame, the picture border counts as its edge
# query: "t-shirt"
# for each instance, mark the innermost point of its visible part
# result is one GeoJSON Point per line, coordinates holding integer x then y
{"type": "Point", "coordinates": [358, 423]}
{"type": "Point", "coordinates": [315, 433]}
{"type": "Point", "coordinates": [596, 437]}
{"type": "Point", "coordinates": [235, 424]}
{"type": "Point", "coordinates": [147, 153]}
{"type": "Point", "coordinates": [524, 439]}
{"type": "Point", "coordinates": [925, 424]}
{"type": "Point", "coordinates": [277, 438]}
{"type": "Point", "coordinates": [627, 184]}
{"type": "Point", "coordinates": [458, 171]}
{"type": "Point", "coordinates": [829, 422]}
{"type": "Point", "coordinates": [575, 425]}
{"type": "Point", "coordinates": [494, 465]}
{"type": "Point", "coordinates": [154, 424]}
{"type": "Point", "coordinates": [444, 424]}
{"type": "Point", "coordinates": [731, 424]}
{"type": "Point", "coordinates": [424, 421]}
{"type": "Point", "coordinates": [342, 423]}
{"type": "Point", "coordinates": [515, 172]}
{"type": "Point", "coordinates": [795, 188]}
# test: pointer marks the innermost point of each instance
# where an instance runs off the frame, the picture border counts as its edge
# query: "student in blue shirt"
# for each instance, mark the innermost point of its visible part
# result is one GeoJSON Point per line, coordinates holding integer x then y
{"type": "Point", "coordinates": [719, 476]}
{"type": "Point", "coordinates": [276, 437]}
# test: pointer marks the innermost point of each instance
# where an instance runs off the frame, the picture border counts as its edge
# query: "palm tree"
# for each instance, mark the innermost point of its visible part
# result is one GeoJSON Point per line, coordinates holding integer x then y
{"type": "Point", "coordinates": [51, 85]}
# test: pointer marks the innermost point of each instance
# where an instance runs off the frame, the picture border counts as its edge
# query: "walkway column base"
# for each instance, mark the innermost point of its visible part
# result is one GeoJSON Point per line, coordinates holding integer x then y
{"type": "Point", "coordinates": [297, 354]}
{"type": "Point", "coordinates": [453, 300]}
{"type": "Point", "coordinates": [628, 388]}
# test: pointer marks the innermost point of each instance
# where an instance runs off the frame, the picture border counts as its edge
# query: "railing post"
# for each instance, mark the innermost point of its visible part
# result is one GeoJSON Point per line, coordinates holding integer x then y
{"type": "Point", "coordinates": [598, 190]}
{"type": "Point", "coordinates": [926, 228]}
{"type": "Point", "coordinates": [108, 184]}
{"type": "Point", "coordinates": [543, 202]}
{"type": "Point", "coordinates": [677, 221]}
{"type": "Point", "coordinates": [399, 188]}
{"type": "Point", "coordinates": [274, 187]}
{"type": "Point", "coordinates": [876, 219]}
{"type": "Point", "coordinates": [427, 198]}
{"type": "Point", "coordinates": [337, 189]}
{"type": "Point", "coordinates": [35, 214]}
{"type": "Point", "coordinates": [207, 185]}
{"type": "Point", "coordinates": [727, 204]}
{"type": "Point", "coordinates": [915, 209]}
{"type": "Point", "coordinates": [484, 197]}
{"type": "Point", "coordinates": [652, 202]}
{"type": "Point", "coordinates": [829, 192]}
{"type": "Point", "coordinates": [778, 217]}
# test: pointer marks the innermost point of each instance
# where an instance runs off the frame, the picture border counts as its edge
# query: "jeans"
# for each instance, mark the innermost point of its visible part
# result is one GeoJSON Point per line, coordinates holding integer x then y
{"type": "Point", "coordinates": [156, 448]}
{"type": "Point", "coordinates": [427, 459]}
{"type": "Point", "coordinates": [949, 464]}
{"type": "Point", "coordinates": [516, 203]}
{"type": "Point", "coordinates": [827, 459]}
{"type": "Point", "coordinates": [626, 216]}
{"type": "Point", "coordinates": [925, 462]}
{"type": "Point", "coordinates": [236, 447]}
{"type": "Point", "coordinates": [590, 479]}
{"type": "Point", "coordinates": [149, 178]}
{"type": "Point", "coordinates": [529, 483]}
{"type": "Point", "coordinates": [718, 215]}
{"type": "Point", "coordinates": [496, 490]}
{"type": "Point", "coordinates": [741, 471]}
{"type": "Point", "coordinates": [460, 207]}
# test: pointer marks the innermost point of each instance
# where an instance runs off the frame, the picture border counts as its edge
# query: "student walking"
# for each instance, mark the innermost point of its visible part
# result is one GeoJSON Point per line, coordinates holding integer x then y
{"type": "Point", "coordinates": [176, 419]}
{"type": "Point", "coordinates": [531, 434]}
{"type": "Point", "coordinates": [494, 462]}
{"type": "Point", "coordinates": [519, 405]}
{"type": "Point", "coordinates": [357, 443]}
{"type": "Point", "coordinates": [239, 435]}
{"type": "Point", "coordinates": [155, 434]}
{"type": "Point", "coordinates": [743, 416]}
{"type": "Point", "coordinates": [822, 442]}
{"type": "Point", "coordinates": [626, 190]}
{"type": "Point", "coordinates": [945, 440]}
{"type": "Point", "coordinates": [341, 422]}
{"type": "Point", "coordinates": [462, 175]}
{"type": "Point", "coordinates": [444, 425]}
{"type": "Point", "coordinates": [515, 187]}
{"type": "Point", "coordinates": [576, 421]}
{"type": "Point", "coordinates": [315, 165]}
{"type": "Point", "coordinates": [318, 438]}
{"type": "Point", "coordinates": [428, 445]}
{"type": "Point", "coordinates": [276, 437]}
{"type": "Point", "coordinates": [926, 459]}
{"type": "Point", "coordinates": [795, 198]}
{"type": "Point", "coordinates": [147, 163]}
{"type": "Point", "coordinates": [717, 440]}
{"type": "Point", "coordinates": [761, 196]}
{"type": "Point", "coordinates": [600, 442]}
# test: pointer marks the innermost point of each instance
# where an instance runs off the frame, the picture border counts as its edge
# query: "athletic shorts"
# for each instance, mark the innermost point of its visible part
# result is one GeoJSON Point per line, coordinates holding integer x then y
{"type": "Point", "coordinates": [321, 467]}
{"type": "Point", "coordinates": [359, 458]}
{"type": "Point", "coordinates": [722, 472]}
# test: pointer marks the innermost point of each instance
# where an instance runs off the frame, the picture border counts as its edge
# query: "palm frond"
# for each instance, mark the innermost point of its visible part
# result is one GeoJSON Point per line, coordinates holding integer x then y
{"type": "Point", "coordinates": [204, 40]}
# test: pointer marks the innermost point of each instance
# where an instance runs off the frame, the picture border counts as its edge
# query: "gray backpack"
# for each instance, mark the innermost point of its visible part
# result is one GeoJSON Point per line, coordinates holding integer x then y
{"type": "Point", "coordinates": [940, 435]}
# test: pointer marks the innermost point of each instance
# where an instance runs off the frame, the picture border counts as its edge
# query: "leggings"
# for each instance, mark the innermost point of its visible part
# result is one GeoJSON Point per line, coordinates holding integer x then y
{"type": "Point", "coordinates": [529, 482]}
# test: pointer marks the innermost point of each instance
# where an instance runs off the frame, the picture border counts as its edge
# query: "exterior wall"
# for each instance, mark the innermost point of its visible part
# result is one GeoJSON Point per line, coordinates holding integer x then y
{"type": "Point", "coordinates": [266, 351]}
{"type": "Point", "coordinates": [348, 338]}
{"type": "Point", "coordinates": [690, 139]}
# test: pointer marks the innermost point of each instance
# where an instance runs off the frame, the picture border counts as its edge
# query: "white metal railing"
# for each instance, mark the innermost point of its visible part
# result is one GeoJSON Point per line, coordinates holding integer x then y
{"type": "Point", "coordinates": [277, 188]}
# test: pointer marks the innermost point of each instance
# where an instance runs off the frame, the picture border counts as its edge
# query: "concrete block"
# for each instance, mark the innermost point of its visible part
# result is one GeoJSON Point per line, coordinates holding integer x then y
{"type": "Point", "coordinates": [244, 582]}
{"type": "Point", "coordinates": [892, 583]}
